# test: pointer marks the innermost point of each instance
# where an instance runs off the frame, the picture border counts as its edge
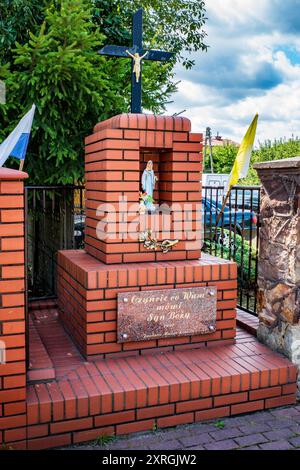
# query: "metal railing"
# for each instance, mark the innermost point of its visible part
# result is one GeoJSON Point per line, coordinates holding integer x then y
{"type": "Point", "coordinates": [236, 236]}
{"type": "Point", "coordinates": [55, 221]}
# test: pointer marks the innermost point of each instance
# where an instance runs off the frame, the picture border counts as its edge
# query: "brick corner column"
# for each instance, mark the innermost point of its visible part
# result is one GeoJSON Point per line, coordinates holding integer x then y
{"type": "Point", "coordinates": [279, 257]}
{"type": "Point", "coordinates": [12, 308]}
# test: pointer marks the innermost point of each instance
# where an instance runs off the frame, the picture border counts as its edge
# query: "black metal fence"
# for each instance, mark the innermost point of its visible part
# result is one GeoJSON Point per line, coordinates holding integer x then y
{"type": "Point", "coordinates": [236, 235]}
{"type": "Point", "coordinates": [55, 221]}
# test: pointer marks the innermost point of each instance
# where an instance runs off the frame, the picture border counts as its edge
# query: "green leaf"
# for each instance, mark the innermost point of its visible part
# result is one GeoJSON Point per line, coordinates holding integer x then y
{"type": "Point", "coordinates": [50, 52]}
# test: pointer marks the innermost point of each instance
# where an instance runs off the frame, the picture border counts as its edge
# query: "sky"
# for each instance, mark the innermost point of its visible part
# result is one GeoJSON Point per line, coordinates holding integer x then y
{"type": "Point", "coordinates": [252, 65]}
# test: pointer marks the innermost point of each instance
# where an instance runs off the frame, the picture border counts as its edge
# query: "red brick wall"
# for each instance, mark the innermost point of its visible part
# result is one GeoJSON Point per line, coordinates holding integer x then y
{"type": "Point", "coordinates": [115, 157]}
{"type": "Point", "coordinates": [12, 308]}
{"type": "Point", "coordinates": [87, 293]}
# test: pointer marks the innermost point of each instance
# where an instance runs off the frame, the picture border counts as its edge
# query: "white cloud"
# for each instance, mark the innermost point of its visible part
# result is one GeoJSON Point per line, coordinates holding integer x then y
{"type": "Point", "coordinates": [237, 13]}
{"type": "Point", "coordinates": [253, 65]}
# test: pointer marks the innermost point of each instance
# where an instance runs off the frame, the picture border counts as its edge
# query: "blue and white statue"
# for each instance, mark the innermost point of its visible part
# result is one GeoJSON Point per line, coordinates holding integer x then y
{"type": "Point", "coordinates": [148, 183]}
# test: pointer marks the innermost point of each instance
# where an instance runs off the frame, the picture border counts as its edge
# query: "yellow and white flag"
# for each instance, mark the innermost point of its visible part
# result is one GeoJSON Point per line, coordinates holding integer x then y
{"type": "Point", "coordinates": [242, 161]}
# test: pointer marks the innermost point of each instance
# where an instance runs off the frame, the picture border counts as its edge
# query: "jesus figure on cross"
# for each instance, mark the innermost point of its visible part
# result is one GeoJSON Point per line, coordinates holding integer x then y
{"type": "Point", "coordinates": [136, 53]}
{"type": "Point", "coordinates": [137, 63]}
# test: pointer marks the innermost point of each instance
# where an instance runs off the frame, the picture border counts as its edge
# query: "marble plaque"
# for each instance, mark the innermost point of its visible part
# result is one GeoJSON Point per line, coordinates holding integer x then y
{"type": "Point", "coordinates": [166, 313]}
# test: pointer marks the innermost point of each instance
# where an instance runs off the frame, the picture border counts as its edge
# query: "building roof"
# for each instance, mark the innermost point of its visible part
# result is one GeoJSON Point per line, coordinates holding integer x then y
{"type": "Point", "coordinates": [218, 141]}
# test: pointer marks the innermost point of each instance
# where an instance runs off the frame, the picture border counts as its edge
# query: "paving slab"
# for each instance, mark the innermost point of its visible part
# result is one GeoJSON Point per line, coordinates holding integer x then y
{"type": "Point", "coordinates": [275, 429]}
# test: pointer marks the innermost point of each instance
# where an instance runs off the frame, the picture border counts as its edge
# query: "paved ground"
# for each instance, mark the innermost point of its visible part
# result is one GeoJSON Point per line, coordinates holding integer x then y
{"type": "Point", "coordinates": [277, 429]}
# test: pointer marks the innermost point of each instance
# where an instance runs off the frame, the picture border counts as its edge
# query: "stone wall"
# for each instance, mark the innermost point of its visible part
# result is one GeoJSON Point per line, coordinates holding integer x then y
{"type": "Point", "coordinates": [279, 257]}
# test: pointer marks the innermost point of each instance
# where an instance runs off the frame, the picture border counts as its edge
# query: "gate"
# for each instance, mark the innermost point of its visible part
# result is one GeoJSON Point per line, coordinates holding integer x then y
{"type": "Point", "coordinates": [236, 236]}
{"type": "Point", "coordinates": [54, 221]}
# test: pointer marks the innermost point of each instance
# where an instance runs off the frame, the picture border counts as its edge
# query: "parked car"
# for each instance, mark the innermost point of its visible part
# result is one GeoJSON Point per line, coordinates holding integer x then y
{"type": "Point", "coordinates": [241, 198]}
{"type": "Point", "coordinates": [79, 226]}
{"type": "Point", "coordinates": [234, 219]}
{"type": "Point", "coordinates": [246, 198]}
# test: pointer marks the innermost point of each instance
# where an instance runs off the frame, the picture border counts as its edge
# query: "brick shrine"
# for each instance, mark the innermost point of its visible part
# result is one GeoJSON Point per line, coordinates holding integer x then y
{"type": "Point", "coordinates": [115, 157]}
{"type": "Point", "coordinates": [82, 383]}
{"type": "Point", "coordinates": [88, 283]}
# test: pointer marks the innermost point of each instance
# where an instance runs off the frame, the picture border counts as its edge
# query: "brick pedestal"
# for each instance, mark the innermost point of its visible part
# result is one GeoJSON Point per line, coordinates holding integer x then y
{"type": "Point", "coordinates": [12, 308]}
{"type": "Point", "coordinates": [87, 292]}
{"type": "Point", "coordinates": [279, 255]}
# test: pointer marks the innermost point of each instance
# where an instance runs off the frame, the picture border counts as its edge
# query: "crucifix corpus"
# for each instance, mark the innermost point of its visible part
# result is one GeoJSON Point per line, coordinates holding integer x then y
{"type": "Point", "coordinates": [136, 53]}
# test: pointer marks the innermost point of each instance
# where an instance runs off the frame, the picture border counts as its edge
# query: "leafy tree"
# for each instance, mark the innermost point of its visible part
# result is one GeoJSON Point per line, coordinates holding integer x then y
{"type": "Point", "coordinates": [175, 25]}
{"type": "Point", "coordinates": [223, 156]}
{"type": "Point", "coordinates": [60, 72]}
{"type": "Point", "coordinates": [55, 64]}
{"type": "Point", "coordinates": [272, 150]}
{"type": "Point", "coordinates": [17, 19]}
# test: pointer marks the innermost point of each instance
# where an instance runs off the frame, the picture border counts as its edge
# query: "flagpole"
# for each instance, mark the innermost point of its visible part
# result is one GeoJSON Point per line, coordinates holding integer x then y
{"type": "Point", "coordinates": [21, 165]}
{"type": "Point", "coordinates": [221, 212]}
{"type": "Point", "coordinates": [240, 166]}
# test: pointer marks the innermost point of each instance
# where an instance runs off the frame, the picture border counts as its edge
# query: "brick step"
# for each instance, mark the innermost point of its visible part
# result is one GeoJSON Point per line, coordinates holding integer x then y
{"type": "Point", "coordinates": [40, 365]}
{"type": "Point", "coordinates": [247, 321]}
{"type": "Point", "coordinates": [124, 395]}
{"type": "Point", "coordinates": [42, 304]}
{"type": "Point", "coordinates": [50, 347]}
{"type": "Point", "coordinates": [121, 395]}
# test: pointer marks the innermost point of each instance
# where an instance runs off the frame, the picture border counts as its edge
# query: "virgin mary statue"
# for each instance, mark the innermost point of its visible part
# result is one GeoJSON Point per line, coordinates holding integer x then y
{"type": "Point", "coordinates": [148, 183]}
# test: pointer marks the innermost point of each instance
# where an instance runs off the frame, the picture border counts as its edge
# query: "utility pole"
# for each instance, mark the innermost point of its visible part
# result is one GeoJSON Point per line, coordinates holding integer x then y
{"type": "Point", "coordinates": [206, 144]}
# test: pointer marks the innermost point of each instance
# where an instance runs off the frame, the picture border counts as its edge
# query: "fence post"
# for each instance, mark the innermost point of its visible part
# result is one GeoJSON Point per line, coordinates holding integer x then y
{"type": "Point", "coordinates": [12, 308]}
{"type": "Point", "coordinates": [279, 257]}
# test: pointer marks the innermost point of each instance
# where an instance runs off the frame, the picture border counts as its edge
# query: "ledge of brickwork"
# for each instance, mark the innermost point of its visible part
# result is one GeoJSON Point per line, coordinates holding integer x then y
{"type": "Point", "coordinates": [124, 395]}
{"type": "Point", "coordinates": [9, 174]}
{"type": "Point", "coordinates": [145, 121]}
{"type": "Point", "coordinates": [93, 274]}
{"type": "Point", "coordinates": [247, 321]}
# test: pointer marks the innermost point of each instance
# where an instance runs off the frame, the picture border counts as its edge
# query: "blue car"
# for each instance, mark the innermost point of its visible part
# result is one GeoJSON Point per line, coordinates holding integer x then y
{"type": "Point", "coordinates": [234, 219]}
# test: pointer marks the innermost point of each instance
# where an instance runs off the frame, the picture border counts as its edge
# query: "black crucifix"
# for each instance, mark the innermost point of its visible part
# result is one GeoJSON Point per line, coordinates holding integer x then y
{"type": "Point", "coordinates": [136, 53]}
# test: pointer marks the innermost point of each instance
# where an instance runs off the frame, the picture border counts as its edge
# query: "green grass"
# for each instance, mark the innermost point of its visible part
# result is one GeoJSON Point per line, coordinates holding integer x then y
{"type": "Point", "coordinates": [220, 424]}
{"type": "Point", "coordinates": [4, 446]}
{"type": "Point", "coordinates": [154, 428]}
{"type": "Point", "coordinates": [239, 251]}
{"type": "Point", "coordinates": [105, 440]}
